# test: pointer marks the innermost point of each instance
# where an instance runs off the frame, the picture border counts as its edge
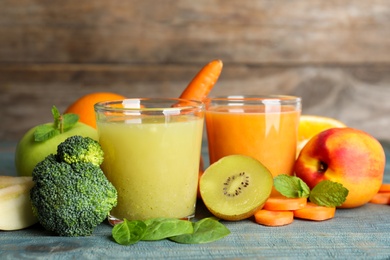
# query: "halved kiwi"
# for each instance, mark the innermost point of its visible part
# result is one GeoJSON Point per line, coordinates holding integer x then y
{"type": "Point", "coordinates": [235, 186]}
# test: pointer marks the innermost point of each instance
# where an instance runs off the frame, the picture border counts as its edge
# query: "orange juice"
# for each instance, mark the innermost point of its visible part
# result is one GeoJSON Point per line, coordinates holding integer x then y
{"type": "Point", "coordinates": [265, 132]}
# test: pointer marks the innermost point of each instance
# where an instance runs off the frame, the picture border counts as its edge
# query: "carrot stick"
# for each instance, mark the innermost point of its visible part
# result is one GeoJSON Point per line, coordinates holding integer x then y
{"type": "Point", "coordinates": [273, 218]}
{"type": "Point", "coordinates": [199, 88]}
{"type": "Point", "coordinates": [201, 85]}
{"type": "Point", "coordinates": [284, 203]}
{"type": "Point", "coordinates": [314, 212]}
{"type": "Point", "coordinates": [381, 198]}
{"type": "Point", "coordinates": [385, 187]}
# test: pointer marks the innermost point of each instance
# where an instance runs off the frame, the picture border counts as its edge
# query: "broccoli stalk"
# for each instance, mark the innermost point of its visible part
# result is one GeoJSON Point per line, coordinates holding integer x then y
{"type": "Point", "coordinates": [71, 199]}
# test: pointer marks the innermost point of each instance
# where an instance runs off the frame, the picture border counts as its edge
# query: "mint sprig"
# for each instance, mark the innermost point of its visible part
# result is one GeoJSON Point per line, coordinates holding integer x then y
{"type": "Point", "coordinates": [61, 124]}
{"type": "Point", "coordinates": [326, 193]}
{"type": "Point", "coordinates": [291, 186]}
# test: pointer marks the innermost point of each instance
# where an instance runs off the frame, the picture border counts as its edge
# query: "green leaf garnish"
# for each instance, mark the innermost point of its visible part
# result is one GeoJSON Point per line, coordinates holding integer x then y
{"type": "Point", "coordinates": [56, 116]}
{"type": "Point", "coordinates": [68, 121]}
{"type": "Point", "coordinates": [291, 186]}
{"type": "Point", "coordinates": [328, 193]}
{"type": "Point", "coordinates": [61, 124]}
{"type": "Point", "coordinates": [45, 132]}
{"type": "Point", "coordinates": [129, 232]}
{"type": "Point", "coordinates": [205, 231]}
{"type": "Point", "coordinates": [161, 228]}
{"type": "Point", "coordinates": [181, 231]}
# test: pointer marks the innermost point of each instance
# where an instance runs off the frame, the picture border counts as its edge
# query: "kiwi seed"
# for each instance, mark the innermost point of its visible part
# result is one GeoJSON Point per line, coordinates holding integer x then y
{"type": "Point", "coordinates": [234, 185]}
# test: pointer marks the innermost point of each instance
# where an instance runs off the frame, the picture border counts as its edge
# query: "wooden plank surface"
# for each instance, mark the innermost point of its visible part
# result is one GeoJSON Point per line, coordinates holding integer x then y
{"type": "Point", "coordinates": [248, 31]}
{"type": "Point", "coordinates": [334, 54]}
{"type": "Point", "coordinates": [360, 233]}
{"type": "Point", "coordinates": [356, 95]}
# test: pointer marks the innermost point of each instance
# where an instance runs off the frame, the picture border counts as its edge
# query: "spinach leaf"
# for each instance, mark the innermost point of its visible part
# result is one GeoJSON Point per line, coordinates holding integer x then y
{"type": "Point", "coordinates": [129, 232]}
{"type": "Point", "coordinates": [205, 231]}
{"type": "Point", "coordinates": [161, 228]}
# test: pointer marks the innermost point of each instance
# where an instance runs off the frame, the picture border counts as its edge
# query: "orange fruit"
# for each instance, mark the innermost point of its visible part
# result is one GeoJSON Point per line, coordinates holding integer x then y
{"type": "Point", "coordinates": [84, 105]}
{"type": "Point", "coordinates": [311, 125]}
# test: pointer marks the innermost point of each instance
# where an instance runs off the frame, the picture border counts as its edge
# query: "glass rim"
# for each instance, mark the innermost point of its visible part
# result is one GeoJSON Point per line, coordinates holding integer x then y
{"type": "Point", "coordinates": [255, 99]}
{"type": "Point", "coordinates": [135, 104]}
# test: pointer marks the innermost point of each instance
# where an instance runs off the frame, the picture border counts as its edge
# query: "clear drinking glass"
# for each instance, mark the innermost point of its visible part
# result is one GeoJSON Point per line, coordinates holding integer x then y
{"type": "Point", "coordinates": [264, 127]}
{"type": "Point", "coordinates": [152, 150]}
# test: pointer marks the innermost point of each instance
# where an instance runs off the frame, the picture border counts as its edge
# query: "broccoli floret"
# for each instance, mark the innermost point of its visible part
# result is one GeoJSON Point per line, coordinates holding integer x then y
{"type": "Point", "coordinates": [71, 199]}
{"type": "Point", "coordinates": [80, 149]}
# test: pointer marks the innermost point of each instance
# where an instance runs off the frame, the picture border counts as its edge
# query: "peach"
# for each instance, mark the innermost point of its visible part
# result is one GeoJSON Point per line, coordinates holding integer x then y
{"type": "Point", "coordinates": [345, 155]}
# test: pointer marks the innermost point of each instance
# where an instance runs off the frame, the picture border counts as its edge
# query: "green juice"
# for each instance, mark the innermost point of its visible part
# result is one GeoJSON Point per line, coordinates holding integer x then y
{"type": "Point", "coordinates": [153, 164]}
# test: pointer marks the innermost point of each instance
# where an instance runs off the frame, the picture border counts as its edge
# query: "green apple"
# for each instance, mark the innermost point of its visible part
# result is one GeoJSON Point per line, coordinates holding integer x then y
{"type": "Point", "coordinates": [29, 152]}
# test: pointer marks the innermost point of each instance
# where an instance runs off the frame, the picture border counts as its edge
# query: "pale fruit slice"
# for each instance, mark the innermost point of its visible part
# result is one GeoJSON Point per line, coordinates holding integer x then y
{"type": "Point", "coordinates": [235, 186]}
{"type": "Point", "coordinates": [6, 181]}
{"type": "Point", "coordinates": [15, 204]}
{"type": "Point", "coordinates": [311, 125]}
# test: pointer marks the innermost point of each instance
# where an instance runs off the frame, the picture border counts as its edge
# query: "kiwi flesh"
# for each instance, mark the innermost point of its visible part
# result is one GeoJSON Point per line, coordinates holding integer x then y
{"type": "Point", "coordinates": [235, 186]}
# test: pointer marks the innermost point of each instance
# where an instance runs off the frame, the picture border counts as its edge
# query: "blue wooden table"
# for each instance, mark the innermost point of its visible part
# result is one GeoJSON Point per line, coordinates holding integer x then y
{"type": "Point", "coordinates": [360, 233]}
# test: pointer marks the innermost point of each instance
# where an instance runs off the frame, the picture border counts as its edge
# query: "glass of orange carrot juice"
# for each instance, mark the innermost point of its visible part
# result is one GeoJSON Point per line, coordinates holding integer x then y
{"type": "Point", "coordinates": [152, 149]}
{"type": "Point", "coordinates": [264, 127]}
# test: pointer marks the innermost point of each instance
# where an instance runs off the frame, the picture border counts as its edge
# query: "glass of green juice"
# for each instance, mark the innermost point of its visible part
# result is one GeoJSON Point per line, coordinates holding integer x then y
{"type": "Point", "coordinates": [152, 150]}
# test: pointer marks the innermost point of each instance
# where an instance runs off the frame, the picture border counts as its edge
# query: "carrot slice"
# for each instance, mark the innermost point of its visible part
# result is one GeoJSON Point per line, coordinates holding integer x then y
{"type": "Point", "coordinates": [385, 187]}
{"type": "Point", "coordinates": [201, 85]}
{"type": "Point", "coordinates": [314, 212]}
{"type": "Point", "coordinates": [381, 198]}
{"type": "Point", "coordinates": [284, 203]}
{"type": "Point", "coordinates": [273, 218]}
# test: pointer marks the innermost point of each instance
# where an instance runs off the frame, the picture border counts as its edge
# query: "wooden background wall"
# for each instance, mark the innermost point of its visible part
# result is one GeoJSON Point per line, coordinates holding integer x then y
{"type": "Point", "coordinates": [335, 54]}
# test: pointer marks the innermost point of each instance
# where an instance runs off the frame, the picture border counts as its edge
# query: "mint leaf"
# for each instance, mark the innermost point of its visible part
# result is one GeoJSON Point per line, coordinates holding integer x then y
{"type": "Point", "coordinates": [56, 116]}
{"type": "Point", "coordinates": [160, 228]}
{"type": "Point", "coordinates": [205, 231]}
{"type": "Point", "coordinates": [45, 132]}
{"type": "Point", "coordinates": [62, 123]}
{"type": "Point", "coordinates": [69, 120]}
{"type": "Point", "coordinates": [291, 186]}
{"type": "Point", "coordinates": [128, 232]}
{"type": "Point", "coordinates": [328, 193]}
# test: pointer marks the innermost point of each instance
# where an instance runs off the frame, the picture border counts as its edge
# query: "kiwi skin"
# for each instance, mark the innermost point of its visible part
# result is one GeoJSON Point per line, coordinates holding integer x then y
{"type": "Point", "coordinates": [229, 205]}
{"type": "Point", "coordinates": [236, 217]}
